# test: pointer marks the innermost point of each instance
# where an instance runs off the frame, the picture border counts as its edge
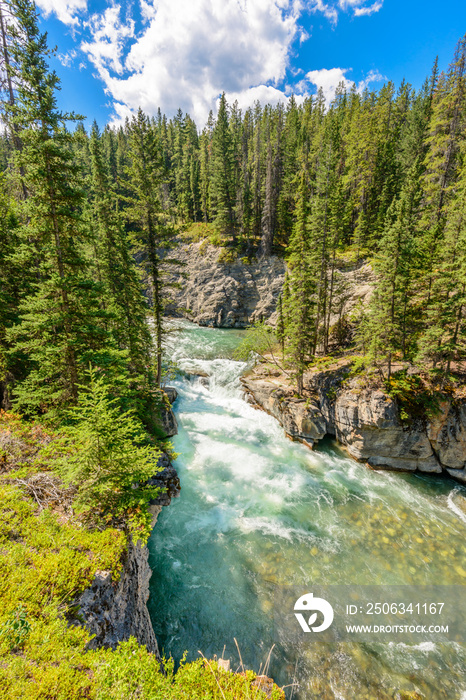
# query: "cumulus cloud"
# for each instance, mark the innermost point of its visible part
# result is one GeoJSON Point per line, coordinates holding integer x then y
{"type": "Point", "coordinates": [330, 78]}
{"type": "Point", "coordinates": [189, 51]}
{"type": "Point", "coordinates": [184, 53]}
{"type": "Point", "coordinates": [66, 10]}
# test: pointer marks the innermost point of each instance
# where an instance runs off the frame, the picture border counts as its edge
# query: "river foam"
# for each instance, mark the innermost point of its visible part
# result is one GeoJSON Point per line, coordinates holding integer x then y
{"type": "Point", "coordinates": [258, 511]}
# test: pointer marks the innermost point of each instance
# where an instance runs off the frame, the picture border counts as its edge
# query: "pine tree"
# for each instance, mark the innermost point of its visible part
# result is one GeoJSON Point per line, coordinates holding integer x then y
{"type": "Point", "coordinates": [391, 322]}
{"type": "Point", "coordinates": [300, 308]}
{"type": "Point", "coordinates": [444, 335]}
{"type": "Point", "coordinates": [108, 460]}
{"type": "Point", "coordinates": [122, 296]}
{"type": "Point", "coordinates": [61, 327]}
{"type": "Point", "coordinates": [273, 178]}
{"type": "Point", "coordinates": [155, 236]}
{"type": "Point", "coordinates": [222, 180]}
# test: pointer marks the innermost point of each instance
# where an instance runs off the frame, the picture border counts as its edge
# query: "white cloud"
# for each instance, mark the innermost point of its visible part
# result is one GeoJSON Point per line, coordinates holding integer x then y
{"type": "Point", "coordinates": [263, 93]}
{"type": "Point", "coordinates": [360, 7]}
{"type": "Point", "coordinates": [331, 8]}
{"type": "Point", "coordinates": [328, 10]}
{"type": "Point", "coordinates": [66, 59]}
{"type": "Point", "coordinates": [191, 50]}
{"type": "Point", "coordinates": [360, 11]}
{"type": "Point", "coordinates": [330, 79]}
{"type": "Point", "coordinates": [66, 10]}
{"type": "Point", "coordinates": [187, 52]}
{"type": "Point", "coordinates": [109, 39]}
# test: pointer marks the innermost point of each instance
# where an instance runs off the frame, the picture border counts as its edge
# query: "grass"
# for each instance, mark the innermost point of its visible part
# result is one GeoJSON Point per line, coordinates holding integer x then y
{"type": "Point", "coordinates": [48, 557]}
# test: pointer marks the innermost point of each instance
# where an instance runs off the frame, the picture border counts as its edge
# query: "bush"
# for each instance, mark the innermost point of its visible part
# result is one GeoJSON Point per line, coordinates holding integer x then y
{"type": "Point", "coordinates": [107, 458]}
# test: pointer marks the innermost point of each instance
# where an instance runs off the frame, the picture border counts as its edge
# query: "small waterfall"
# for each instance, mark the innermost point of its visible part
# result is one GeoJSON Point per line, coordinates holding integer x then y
{"type": "Point", "coordinates": [258, 511]}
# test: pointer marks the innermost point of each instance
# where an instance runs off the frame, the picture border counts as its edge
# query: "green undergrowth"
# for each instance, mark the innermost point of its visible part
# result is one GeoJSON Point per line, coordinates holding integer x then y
{"type": "Point", "coordinates": [48, 557]}
{"type": "Point", "coordinates": [201, 231]}
{"type": "Point", "coordinates": [417, 398]}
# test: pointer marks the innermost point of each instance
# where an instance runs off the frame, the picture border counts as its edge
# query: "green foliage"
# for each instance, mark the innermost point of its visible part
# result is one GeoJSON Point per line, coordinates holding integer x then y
{"type": "Point", "coordinates": [227, 256]}
{"type": "Point", "coordinates": [107, 458]}
{"type": "Point", "coordinates": [415, 396]}
{"type": "Point", "coordinates": [259, 340]}
{"type": "Point", "coordinates": [46, 563]}
{"type": "Point", "coordinates": [131, 672]}
{"type": "Point", "coordinates": [15, 629]}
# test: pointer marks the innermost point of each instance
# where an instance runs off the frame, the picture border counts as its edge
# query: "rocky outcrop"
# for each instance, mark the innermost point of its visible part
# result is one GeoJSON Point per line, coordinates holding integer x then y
{"type": "Point", "coordinates": [302, 420]}
{"type": "Point", "coordinates": [366, 422]}
{"type": "Point", "coordinates": [447, 435]}
{"type": "Point", "coordinates": [217, 288]}
{"type": "Point", "coordinates": [165, 417]}
{"type": "Point", "coordinates": [114, 611]}
{"type": "Point", "coordinates": [230, 294]}
{"type": "Point", "coordinates": [168, 480]}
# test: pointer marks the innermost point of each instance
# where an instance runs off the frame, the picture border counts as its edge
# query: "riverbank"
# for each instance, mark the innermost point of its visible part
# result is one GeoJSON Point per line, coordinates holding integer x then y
{"type": "Point", "coordinates": [366, 421]}
{"type": "Point", "coordinates": [260, 512]}
{"type": "Point", "coordinates": [74, 621]}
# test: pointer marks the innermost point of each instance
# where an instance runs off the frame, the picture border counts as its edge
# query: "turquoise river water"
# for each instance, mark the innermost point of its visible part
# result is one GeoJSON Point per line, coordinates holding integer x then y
{"type": "Point", "coordinates": [258, 511]}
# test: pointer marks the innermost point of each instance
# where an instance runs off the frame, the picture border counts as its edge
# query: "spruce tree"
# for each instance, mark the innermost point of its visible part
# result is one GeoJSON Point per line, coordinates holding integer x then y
{"type": "Point", "coordinates": [222, 181]}
{"type": "Point", "coordinates": [122, 297]}
{"type": "Point", "coordinates": [300, 306]}
{"type": "Point", "coordinates": [61, 326]}
{"type": "Point", "coordinates": [154, 236]}
{"type": "Point", "coordinates": [391, 321]}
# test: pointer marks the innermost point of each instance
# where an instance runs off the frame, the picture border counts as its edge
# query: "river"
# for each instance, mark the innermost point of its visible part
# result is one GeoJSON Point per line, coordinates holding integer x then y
{"type": "Point", "coordinates": [258, 511]}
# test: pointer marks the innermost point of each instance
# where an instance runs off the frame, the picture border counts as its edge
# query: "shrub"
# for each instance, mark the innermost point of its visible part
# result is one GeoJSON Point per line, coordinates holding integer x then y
{"type": "Point", "coordinates": [107, 458]}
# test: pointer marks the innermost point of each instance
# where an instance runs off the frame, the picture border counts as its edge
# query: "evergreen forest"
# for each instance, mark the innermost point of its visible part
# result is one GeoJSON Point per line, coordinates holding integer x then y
{"type": "Point", "coordinates": [90, 222]}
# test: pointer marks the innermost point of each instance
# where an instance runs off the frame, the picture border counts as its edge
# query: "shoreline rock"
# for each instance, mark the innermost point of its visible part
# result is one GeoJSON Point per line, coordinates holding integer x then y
{"type": "Point", "coordinates": [114, 611]}
{"type": "Point", "coordinates": [365, 422]}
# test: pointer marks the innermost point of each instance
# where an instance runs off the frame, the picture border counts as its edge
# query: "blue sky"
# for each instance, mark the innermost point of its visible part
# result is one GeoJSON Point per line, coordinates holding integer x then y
{"type": "Point", "coordinates": [114, 57]}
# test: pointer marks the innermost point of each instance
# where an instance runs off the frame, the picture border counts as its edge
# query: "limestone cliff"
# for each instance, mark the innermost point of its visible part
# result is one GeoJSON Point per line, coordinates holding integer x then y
{"type": "Point", "coordinates": [219, 289]}
{"type": "Point", "coordinates": [115, 611]}
{"type": "Point", "coordinates": [365, 421]}
{"type": "Point", "coordinates": [224, 294]}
